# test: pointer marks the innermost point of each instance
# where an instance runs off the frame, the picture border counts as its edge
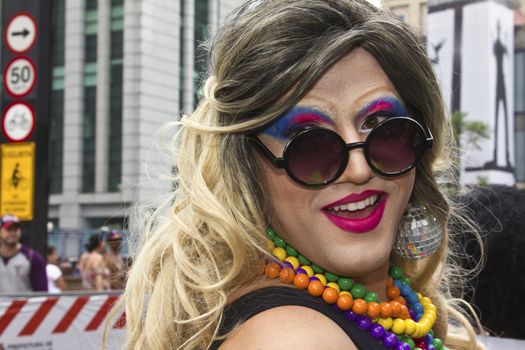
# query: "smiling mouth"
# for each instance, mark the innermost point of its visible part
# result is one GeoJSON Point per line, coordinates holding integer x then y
{"type": "Point", "coordinates": [358, 216]}
{"type": "Point", "coordinates": [356, 210]}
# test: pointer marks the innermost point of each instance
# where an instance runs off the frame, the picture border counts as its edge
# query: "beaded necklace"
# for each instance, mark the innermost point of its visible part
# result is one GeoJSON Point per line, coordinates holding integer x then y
{"type": "Point", "coordinates": [404, 322]}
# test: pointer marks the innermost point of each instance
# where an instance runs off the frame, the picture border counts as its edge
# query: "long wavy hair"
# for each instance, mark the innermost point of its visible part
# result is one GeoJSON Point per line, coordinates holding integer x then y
{"type": "Point", "coordinates": [205, 240]}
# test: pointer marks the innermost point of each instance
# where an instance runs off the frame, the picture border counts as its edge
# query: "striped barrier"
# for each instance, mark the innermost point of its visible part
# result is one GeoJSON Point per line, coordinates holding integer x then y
{"type": "Point", "coordinates": [56, 322]}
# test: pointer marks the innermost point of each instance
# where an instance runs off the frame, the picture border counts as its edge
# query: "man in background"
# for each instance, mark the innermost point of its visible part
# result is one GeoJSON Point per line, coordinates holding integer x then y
{"type": "Point", "coordinates": [114, 261]}
{"type": "Point", "coordinates": [22, 269]}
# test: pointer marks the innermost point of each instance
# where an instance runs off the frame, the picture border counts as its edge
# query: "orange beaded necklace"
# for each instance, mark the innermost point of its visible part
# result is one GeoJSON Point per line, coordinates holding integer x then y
{"type": "Point", "coordinates": [407, 315]}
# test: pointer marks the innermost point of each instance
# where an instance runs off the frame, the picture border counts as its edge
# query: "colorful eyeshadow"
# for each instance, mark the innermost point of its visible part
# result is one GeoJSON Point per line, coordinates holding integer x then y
{"type": "Point", "coordinates": [388, 104]}
{"type": "Point", "coordinates": [297, 117]}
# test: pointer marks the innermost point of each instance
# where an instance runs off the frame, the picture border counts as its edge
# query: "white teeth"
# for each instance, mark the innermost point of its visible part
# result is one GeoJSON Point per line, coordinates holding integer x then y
{"type": "Point", "coordinates": [357, 205]}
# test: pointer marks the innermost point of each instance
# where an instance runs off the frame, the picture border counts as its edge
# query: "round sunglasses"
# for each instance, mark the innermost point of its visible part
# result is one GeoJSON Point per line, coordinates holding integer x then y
{"type": "Point", "coordinates": [317, 157]}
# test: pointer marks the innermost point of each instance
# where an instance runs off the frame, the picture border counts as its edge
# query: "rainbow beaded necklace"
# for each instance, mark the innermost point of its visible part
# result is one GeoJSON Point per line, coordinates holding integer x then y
{"type": "Point", "coordinates": [404, 322]}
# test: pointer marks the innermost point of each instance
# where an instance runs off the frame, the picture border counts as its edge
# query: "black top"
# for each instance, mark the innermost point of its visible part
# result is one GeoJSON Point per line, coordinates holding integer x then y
{"type": "Point", "coordinates": [264, 299]}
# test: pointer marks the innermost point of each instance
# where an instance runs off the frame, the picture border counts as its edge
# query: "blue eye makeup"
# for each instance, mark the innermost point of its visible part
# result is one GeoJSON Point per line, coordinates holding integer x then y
{"type": "Point", "coordinates": [294, 120]}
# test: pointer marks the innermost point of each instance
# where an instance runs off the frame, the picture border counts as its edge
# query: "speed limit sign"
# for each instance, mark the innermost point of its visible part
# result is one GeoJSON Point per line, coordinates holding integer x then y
{"type": "Point", "coordinates": [19, 77]}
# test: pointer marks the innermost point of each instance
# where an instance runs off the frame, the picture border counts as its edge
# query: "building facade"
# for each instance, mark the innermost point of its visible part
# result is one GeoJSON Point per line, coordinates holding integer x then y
{"type": "Point", "coordinates": [413, 12]}
{"type": "Point", "coordinates": [121, 69]}
{"type": "Point", "coordinates": [416, 13]}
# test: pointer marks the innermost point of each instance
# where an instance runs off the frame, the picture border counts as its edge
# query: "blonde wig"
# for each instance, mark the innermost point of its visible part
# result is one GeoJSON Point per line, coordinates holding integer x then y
{"type": "Point", "coordinates": [206, 240]}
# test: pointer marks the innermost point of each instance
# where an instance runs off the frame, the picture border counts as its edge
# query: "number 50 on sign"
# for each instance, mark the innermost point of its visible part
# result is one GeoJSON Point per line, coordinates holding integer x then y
{"type": "Point", "coordinates": [20, 77]}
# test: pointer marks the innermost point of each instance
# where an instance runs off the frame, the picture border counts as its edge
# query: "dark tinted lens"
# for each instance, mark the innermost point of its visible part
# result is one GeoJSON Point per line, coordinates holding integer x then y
{"type": "Point", "coordinates": [396, 145]}
{"type": "Point", "coordinates": [315, 156]}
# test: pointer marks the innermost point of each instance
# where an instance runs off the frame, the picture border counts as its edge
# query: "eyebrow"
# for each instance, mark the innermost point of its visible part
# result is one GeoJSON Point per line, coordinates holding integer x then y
{"type": "Point", "coordinates": [386, 103]}
{"type": "Point", "coordinates": [307, 114]}
{"type": "Point", "coordinates": [296, 116]}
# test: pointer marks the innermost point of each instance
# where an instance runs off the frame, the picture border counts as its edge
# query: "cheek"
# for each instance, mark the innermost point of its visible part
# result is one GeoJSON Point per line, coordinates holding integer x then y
{"type": "Point", "coordinates": [283, 195]}
{"type": "Point", "coordinates": [405, 186]}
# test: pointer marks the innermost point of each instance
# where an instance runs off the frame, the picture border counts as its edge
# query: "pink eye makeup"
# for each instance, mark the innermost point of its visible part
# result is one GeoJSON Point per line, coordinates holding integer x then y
{"type": "Point", "coordinates": [296, 119]}
{"type": "Point", "coordinates": [388, 106]}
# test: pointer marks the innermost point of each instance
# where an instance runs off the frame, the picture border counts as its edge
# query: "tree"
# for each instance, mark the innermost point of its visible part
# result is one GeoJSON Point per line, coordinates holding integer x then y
{"type": "Point", "coordinates": [471, 131]}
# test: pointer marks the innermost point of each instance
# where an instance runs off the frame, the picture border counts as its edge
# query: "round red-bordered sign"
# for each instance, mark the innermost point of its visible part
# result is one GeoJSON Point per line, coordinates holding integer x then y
{"type": "Point", "coordinates": [19, 77]}
{"type": "Point", "coordinates": [21, 33]}
{"type": "Point", "coordinates": [18, 121]}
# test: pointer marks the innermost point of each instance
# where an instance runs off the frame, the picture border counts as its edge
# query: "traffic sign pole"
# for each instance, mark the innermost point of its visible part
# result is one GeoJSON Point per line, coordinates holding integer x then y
{"type": "Point", "coordinates": [26, 69]}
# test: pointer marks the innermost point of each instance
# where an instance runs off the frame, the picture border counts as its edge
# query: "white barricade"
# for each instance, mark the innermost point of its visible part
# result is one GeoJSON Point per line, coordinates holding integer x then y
{"type": "Point", "coordinates": [59, 321]}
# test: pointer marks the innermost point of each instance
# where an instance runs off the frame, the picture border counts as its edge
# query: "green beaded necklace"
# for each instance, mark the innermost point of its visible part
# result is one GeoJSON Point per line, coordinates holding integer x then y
{"type": "Point", "coordinates": [403, 323]}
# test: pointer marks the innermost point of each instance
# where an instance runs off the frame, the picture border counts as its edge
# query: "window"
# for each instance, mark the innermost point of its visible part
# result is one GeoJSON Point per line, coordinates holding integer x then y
{"type": "Point", "coordinates": [200, 36]}
{"type": "Point", "coordinates": [56, 139]}
{"type": "Point", "coordinates": [115, 97]}
{"type": "Point", "coordinates": [90, 28]}
{"type": "Point", "coordinates": [56, 132]}
{"type": "Point", "coordinates": [90, 98]}
{"type": "Point", "coordinates": [58, 33]}
{"type": "Point", "coordinates": [88, 139]}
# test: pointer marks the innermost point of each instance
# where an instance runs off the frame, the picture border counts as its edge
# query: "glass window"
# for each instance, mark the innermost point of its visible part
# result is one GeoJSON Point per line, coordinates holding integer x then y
{"type": "Point", "coordinates": [56, 131]}
{"type": "Point", "coordinates": [56, 139]}
{"type": "Point", "coordinates": [115, 97]}
{"type": "Point", "coordinates": [117, 15]}
{"type": "Point", "coordinates": [115, 129]}
{"type": "Point", "coordinates": [90, 48]}
{"type": "Point", "coordinates": [91, 5]}
{"type": "Point", "coordinates": [58, 33]}
{"type": "Point", "coordinates": [90, 31]}
{"type": "Point", "coordinates": [58, 78]}
{"type": "Point", "coordinates": [88, 139]}
{"type": "Point", "coordinates": [117, 45]}
{"type": "Point", "coordinates": [201, 35]}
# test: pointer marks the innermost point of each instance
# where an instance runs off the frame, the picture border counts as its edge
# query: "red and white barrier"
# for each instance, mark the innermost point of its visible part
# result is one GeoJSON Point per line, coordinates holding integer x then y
{"type": "Point", "coordinates": [59, 322]}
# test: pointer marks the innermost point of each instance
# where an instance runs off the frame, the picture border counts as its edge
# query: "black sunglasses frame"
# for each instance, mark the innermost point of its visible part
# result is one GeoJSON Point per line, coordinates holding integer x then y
{"type": "Point", "coordinates": [282, 162]}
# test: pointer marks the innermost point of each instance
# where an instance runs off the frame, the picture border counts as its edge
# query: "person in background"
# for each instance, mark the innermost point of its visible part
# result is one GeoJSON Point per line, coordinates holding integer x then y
{"type": "Point", "coordinates": [55, 280]}
{"type": "Point", "coordinates": [114, 261]}
{"type": "Point", "coordinates": [94, 272]}
{"type": "Point", "coordinates": [81, 263]}
{"type": "Point", "coordinates": [22, 269]}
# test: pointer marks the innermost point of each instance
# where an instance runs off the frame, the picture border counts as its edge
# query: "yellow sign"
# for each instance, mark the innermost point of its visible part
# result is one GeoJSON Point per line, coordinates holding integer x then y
{"type": "Point", "coordinates": [18, 170]}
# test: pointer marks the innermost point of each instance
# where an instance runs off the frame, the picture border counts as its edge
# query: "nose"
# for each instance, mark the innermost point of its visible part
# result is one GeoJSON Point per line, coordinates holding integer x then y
{"type": "Point", "coordinates": [357, 170]}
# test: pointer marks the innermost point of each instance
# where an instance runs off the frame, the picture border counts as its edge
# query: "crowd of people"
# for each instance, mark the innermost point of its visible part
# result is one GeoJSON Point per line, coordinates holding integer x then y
{"type": "Point", "coordinates": [22, 269]}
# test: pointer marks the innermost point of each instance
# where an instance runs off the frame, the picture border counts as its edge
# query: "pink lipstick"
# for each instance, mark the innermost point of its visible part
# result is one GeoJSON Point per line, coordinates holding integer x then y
{"type": "Point", "coordinates": [357, 213]}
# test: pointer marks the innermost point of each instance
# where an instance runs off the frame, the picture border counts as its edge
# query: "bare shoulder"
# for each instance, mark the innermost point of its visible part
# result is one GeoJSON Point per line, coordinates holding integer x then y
{"type": "Point", "coordinates": [288, 327]}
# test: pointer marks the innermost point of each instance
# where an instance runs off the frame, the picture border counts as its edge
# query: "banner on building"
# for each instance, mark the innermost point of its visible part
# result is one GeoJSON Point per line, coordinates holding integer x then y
{"type": "Point", "coordinates": [471, 44]}
{"type": "Point", "coordinates": [60, 322]}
